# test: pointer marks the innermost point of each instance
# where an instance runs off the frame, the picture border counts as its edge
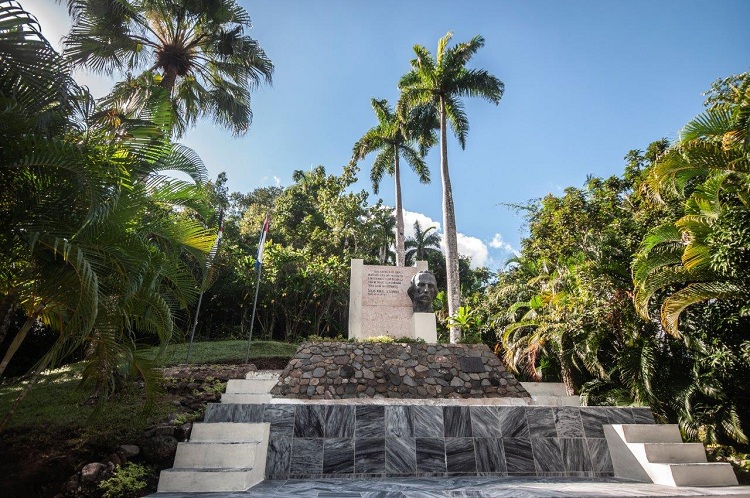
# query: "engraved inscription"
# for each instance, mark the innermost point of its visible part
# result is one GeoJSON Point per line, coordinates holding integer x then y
{"type": "Point", "coordinates": [384, 281]}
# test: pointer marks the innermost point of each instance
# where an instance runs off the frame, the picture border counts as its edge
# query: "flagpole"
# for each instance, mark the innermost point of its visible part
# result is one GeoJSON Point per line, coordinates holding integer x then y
{"type": "Point", "coordinates": [252, 320]}
{"type": "Point", "coordinates": [209, 260]}
{"type": "Point", "coordinates": [259, 269]}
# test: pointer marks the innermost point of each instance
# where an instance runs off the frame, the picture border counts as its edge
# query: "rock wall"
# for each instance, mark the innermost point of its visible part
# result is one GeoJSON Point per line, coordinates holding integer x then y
{"type": "Point", "coordinates": [333, 370]}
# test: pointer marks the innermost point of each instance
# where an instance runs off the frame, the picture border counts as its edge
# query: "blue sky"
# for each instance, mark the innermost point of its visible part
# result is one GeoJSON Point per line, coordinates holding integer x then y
{"type": "Point", "coordinates": [585, 82]}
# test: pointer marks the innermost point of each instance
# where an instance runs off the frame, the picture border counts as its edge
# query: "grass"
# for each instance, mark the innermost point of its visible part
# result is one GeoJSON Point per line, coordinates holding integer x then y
{"type": "Point", "coordinates": [224, 352]}
{"type": "Point", "coordinates": [56, 403]}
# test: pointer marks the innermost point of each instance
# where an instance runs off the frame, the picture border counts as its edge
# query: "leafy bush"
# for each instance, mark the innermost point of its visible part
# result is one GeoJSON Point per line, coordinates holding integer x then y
{"type": "Point", "coordinates": [127, 481]}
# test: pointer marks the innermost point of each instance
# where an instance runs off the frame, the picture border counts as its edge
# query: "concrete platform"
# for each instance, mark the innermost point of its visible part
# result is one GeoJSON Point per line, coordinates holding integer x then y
{"type": "Point", "coordinates": [474, 487]}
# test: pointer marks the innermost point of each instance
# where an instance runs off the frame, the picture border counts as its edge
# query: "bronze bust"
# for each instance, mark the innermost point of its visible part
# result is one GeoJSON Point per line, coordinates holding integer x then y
{"type": "Point", "coordinates": [422, 292]}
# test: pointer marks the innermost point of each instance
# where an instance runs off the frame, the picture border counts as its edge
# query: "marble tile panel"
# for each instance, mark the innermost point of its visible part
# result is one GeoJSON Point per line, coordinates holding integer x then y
{"type": "Point", "coordinates": [281, 418]}
{"type": "Point", "coordinates": [217, 412]}
{"type": "Point", "coordinates": [400, 455]}
{"type": "Point", "coordinates": [398, 421]}
{"type": "Point", "coordinates": [339, 421]}
{"type": "Point", "coordinates": [427, 421]}
{"type": "Point", "coordinates": [547, 455]}
{"type": "Point", "coordinates": [309, 421]}
{"type": "Point", "coordinates": [457, 421]}
{"type": "Point", "coordinates": [245, 413]}
{"type": "Point", "coordinates": [541, 422]}
{"type": "Point", "coordinates": [459, 455]}
{"type": "Point", "coordinates": [278, 456]}
{"type": "Point", "coordinates": [513, 422]}
{"type": "Point", "coordinates": [599, 454]}
{"type": "Point", "coordinates": [490, 455]}
{"type": "Point", "coordinates": [485, 421]}
{"type": "Point", "coordinates": [519, 457]}
{"type": "Point", "coordinates": [430, 454]}
{"type": "Point", "coordinates": [568, 422]}
{"type": "Point", "coordinates": [593, 419]}
{"type": "Point", "coordinates": [619, 415]}
{"type": "Point", "coordinates": [369, 455]}
{"type": "Point", "coordinates": [307, 456]}
{"type": "Point", "coordinates": [338, 456]}
{"type": "Point", "coordinates": [575, 455]}
{"type": "Point", "coordinates": [369, 421]}
{"type": "Point", "coordinates": [643, 416]}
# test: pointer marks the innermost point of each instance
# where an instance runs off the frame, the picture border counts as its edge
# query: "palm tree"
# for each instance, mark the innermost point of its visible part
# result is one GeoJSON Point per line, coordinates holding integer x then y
{"type": "Point", "coordinates": [92, 243]}
{"type": "Point", "coordinates": [440, 83]}
{"type": "Point", "coordinates": [421, 244]}
{"type": "Point", "coordinates": [196, 51]}
{"type": "Point", "coordinates": [395, 136]}
{"type": "Point", "coordinates": [703, 252]}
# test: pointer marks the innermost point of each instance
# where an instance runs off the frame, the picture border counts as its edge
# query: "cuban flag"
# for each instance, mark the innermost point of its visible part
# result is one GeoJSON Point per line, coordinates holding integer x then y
{"type": "Point", "coordinates": [262, 243]}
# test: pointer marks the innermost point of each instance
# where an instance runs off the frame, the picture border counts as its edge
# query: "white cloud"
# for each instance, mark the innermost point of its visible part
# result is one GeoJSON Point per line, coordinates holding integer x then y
{"type": "Point", "coordinates": [497, 242]}
{"type": "Point", "coordinates": [467, 245]}
{"type": "Point", "coordinates": [424, 221]}
{"type": "Point", "coordinates": [474, 248]}
{"type": "Point", "coordinates": [277, 180]}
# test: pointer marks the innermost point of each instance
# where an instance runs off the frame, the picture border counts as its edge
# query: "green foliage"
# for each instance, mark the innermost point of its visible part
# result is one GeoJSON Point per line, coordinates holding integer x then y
{"type": "Point", "coordinates": [127, 481]}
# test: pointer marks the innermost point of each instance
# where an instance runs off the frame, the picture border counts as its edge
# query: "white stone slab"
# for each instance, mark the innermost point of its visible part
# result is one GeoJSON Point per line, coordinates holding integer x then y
{"type": "Point", "coordinates": [424, 326]}
{"type": "Point", "coordinates": [378, 302]}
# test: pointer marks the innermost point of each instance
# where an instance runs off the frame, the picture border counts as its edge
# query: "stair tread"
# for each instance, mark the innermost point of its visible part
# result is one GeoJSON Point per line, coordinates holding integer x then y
{"type": "Point", "coordinates": [210, 469]}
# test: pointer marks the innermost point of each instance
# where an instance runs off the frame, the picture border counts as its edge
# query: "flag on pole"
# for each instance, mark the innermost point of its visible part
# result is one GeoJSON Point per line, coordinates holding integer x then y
{"type": "Point", "coordinates": [262, 242]}
{"type": "Point", "coordinates": [219, 235]}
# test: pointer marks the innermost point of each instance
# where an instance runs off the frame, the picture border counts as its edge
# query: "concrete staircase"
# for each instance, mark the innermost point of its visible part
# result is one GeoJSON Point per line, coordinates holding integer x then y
{"type": "Point", "coordinates": [224, 456]}
{"type": "Point", "coordinates": [655, 453]}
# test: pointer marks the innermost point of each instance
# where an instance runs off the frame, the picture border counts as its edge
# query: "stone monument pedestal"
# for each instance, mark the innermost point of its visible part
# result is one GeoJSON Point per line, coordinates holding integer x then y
{"type": "Point", "coordinates": [424, 326]}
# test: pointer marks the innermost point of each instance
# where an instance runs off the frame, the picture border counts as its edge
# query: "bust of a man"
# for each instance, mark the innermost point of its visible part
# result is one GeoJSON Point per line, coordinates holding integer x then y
{"type": "Point", "coordinates": [422, 292]}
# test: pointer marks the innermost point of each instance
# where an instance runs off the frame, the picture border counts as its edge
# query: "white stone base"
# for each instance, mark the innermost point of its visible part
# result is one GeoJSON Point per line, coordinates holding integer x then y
{"type": "Point", "coordinates": [424, 326]}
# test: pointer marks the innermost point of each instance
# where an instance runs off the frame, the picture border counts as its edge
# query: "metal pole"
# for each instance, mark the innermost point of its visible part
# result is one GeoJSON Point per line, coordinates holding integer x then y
{"type": "Point", "coordinates": [195, 324]}
{"type": "Point", "coordinates": [252, 320]}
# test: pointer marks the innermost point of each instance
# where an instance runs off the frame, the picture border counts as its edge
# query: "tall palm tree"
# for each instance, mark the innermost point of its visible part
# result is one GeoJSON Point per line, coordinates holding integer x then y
{"type": "Point", "coordinates": [440, 82]}
{"type": "Point", "coordinates": [422, 243]}
{"type": "Point", "coordinates": [406, 135]}
{"type": "Point", "coordinates": [195, 50]}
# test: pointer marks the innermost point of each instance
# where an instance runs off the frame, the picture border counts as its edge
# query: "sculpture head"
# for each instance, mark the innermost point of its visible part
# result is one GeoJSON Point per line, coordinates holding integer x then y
{"type": "Point", "coordinates": [422, 292]}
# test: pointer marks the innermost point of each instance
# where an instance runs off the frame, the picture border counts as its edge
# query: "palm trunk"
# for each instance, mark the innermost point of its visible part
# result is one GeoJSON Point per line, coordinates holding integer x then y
{"type": "Point", "coordinates": [451, 242]}
{"type": "Point", "coordinates": [400, 249]}
{"type": "Point", "coordinates": [20, 336]}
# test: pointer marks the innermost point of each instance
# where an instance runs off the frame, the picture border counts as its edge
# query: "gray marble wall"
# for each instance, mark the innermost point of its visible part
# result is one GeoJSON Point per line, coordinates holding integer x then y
{"type": "Point", "coordinates": [309, 440]}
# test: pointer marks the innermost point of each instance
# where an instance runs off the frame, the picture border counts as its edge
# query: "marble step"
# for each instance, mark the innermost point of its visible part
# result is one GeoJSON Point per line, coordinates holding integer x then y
{"type": "Point", "coordinates": [214, 455]}
{"type": "Point", "coordinates": [250, 386]}
{"type": "Point", "coordinates": [556, 389]}
{"type": "Point", "coordinates": [245, 398]}
{"type": "Point", "coordinates": [207, 480]}
{"type": "Point", "coordinates": [674, 452]}
{"type": "Point", "coordinates": [694, 474]}
{"type": "Point", "coordinates": [555, 400]}
{"type": "Point", "coordinates": [226, 432]}
{"type": "Point", "coordinates": [651, 433]}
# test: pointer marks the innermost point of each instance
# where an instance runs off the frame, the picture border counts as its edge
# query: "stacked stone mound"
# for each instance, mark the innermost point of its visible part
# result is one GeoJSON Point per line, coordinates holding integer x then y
{"type": "Point", "coordinates": [333, 370]}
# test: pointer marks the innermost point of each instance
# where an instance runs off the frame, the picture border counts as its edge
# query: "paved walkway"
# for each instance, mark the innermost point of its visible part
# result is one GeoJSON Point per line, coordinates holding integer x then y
{"type": "Point", "coordinates": [464, 487]}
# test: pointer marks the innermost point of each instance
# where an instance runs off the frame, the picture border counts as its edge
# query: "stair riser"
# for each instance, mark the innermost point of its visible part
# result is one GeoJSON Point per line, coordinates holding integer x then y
{"type": "Point", "coordinates": [253, 386]}
{"type": "Point", "coordinates": [245, 399]}
{"type": "Point", "coordinates": [172, 481]}
{"type": "Point", "coordinates": [651, 433]}
{"type": "Point", "coordinates": [226, 432]}
{"type": "Point", "coordinates": [707, 474]}
{"type": "Point", "coordinates": [675, 452]}
{"type": "Point", "coordinates": [215, 455]}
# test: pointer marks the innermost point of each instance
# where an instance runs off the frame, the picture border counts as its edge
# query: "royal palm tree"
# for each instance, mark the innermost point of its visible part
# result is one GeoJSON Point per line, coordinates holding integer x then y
{"type": "Point", "coordinates": [440, 82]}
{"type": "Point", "coordinates": [195, 50]}
{"type": "Point", "coordinates": [407, 135]}
{"type": "Point", "coordinates": [422, 243]}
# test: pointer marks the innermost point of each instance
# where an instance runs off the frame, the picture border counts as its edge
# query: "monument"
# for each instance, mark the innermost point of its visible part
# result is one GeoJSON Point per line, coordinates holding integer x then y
{"type": "Point", "coordinates": [379, 302]}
